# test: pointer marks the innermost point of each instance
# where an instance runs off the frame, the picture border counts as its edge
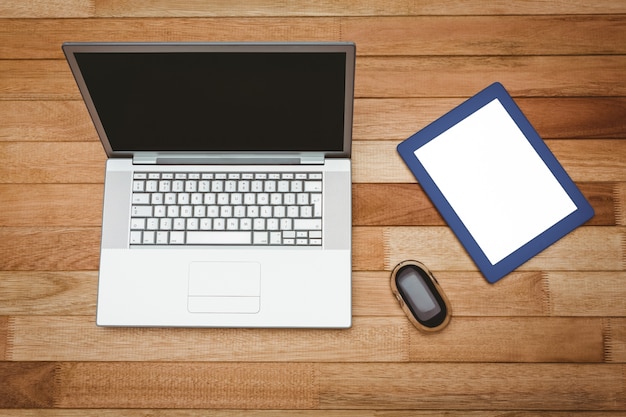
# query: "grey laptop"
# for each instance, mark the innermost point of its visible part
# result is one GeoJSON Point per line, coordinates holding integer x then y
{"type": "Point", "coordinates": [227, 199]}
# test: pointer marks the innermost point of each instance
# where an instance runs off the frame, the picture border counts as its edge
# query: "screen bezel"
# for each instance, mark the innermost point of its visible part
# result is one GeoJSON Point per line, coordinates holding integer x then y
{"type": "Point", "coordinates": [348, 48]}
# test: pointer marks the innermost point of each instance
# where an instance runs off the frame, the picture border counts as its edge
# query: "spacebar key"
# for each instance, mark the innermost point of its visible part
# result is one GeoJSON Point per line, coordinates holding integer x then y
{"type": "Point", "coordinates": [219, 238]}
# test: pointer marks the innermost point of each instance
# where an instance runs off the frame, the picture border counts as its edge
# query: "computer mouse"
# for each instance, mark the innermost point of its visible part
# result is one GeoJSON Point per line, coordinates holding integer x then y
{"type": "Point", "coordinates": [420, 296]}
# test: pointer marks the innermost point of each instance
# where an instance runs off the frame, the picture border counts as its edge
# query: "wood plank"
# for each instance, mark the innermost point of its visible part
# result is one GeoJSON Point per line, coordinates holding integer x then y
{"type": "Point", "coordinates": [487, 35]}
{"type": "Point", "coordinates": [395, 77]}
{"type": "Point", "coordinates": [27, 385]}
{"type": "Point", "coordinates": [525, 294]}
{"type": "Point", "coordinates": [512, 340]}
{"type": "Point", "coordinates": [374, 248]}
{"type": "Point", "coordinates": [45, 121]}
{"type": "Point", "coordinates": [379, 35]}
{"type": "Point", "coordinates": [48, 293]}
{"type": "Point", "coordinates": [177, 385]}
{"type": "Point", "coordinates": [584, 160]}
{"type": "Point", "coordinates": [144, 8]}
{"type": "Point", "coordinates": [50, 338]}
{"type": "Point", "coordinates": [474, 386]}
{"type": "Point", "coordinates": [19, 41]}
{"type": "Point", "coordinates": [84, 412]}
{"type": "Point", "coordinates": [49, 248]}
{"type": "Point", "coordinates": [373, 161]}
{"type": "Point", "coordinates": [521, 294]}
{"type": "Point", "coordinates": [163, 8]}
{"type": "Point", "coordinates": [47, 8]}
{"type": "Point", "coordinates": [50, 162]}
{"type": "Point", "coordinates": [391, 77]}
{"type": "Point", "coordinates": [584, 249]}
{"type": "Point", "coordinates": [564, 118]}
{"type": "Point", "coordinates": [412, 207]}
{"type": "Point", "coordinates": [51, 205]}
{"type": "Point", "coordinates": [4, 334]}
{"type": "Point", "coordinates": [371, 339]}
{"type": "Point", "coordinates": [478, 386]}
{"type": "Point", "coordinates": [100, 385]}
{"type": "Point", "coordinates": [368, 251]}
{"type": "Point", "coordinates": [580, 294]}
{"type": "Point", "coordinates": [374, 119]}
{"type": "Point", "coordinates": [620, 204]}
{"type": "Point", "coordinates": [615, 346]}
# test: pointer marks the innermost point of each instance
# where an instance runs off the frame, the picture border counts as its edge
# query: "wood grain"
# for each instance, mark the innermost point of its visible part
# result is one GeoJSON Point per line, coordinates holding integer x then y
{"type": "Point", "coordinates": [548, 340]}
{"type": "Point", "coordinates": [301, 386]}
{"type": "Point", "coordinates": [584, 160]}
{"type": "Point", "coordinates": [161, 8]}
{"type": "Point", "coordinates": [371, 339]}
{"type": "Point", "coordinates": [49, 248]}
{"type": "Point", "coordinates": [391, 77]}
{"type": "Point", "coordinates": [203, 412]}
{"type": "Point", "coordinates": [374, 119]}
{"type": "Point", "coordinates": [373, 161]}
{"type": "Point", "coordinates": [522, 294]}
{"type": "Point", "coordinates": [493, 386]}
{"type": "Point", "coordinates": [379, 35]}
{"type": "Point", "coordinates": [565, 118]}
{"type": "Point", "coordinates": [412, 207]}
{"type": "Point", "coordinates": [48, 293]}
{"type": "Point", "coordinates": [587, 248]}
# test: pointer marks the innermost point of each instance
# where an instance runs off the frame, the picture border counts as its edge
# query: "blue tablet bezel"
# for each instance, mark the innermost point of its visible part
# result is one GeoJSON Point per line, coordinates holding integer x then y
{"type": "Point", "coordinates": [494, 272]}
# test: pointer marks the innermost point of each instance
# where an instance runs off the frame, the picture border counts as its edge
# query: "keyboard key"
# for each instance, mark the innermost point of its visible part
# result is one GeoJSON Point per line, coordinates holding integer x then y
{"type": "Point", "coordinates": [286, 224]}
{"type": "Point", "coordinates": [141, 198]}
{"type": "Point", "coordinates": [137, 224]}
{"type": "Point", "coordinates": [135, 238]}
{"type": "Point", "coordinates": [152, 224]}
{"type": "Point", "coordinates": [148, 238]}
{"type": "Point", "coordinates": [138, 186]}
{"type": "Point", "coordinates": [307, 224]}
{"type": "Point", "coordinates": [152, 186]}
{"type": "Point", "coordinates": [245, 224]}
{"type": "Point", "coordinates": [219, 238]}
{"type": "Point", "coordinates": [192, 224]}
{"type": "Point", "coordinates": [162, 238]}
{"type": "Point", "coordinates": [261, 238]}
{"type": "Point", "coordinates": [165, 186]}
{"type": "Point", "coordinates": [276, 238]}
{"type": "Point", "coordinates": [177, 238]}
{"type": "Point", "coordinates": [166, 224]}
{"type": "Point", "coordinates": [313, 186]}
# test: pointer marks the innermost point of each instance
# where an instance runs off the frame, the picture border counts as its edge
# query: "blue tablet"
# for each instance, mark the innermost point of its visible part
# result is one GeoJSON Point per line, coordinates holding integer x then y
{"type": "Point", "coordinates": [495, 182]}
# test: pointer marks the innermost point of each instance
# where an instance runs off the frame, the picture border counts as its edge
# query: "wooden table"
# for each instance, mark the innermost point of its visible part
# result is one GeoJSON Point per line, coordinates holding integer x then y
{"type": "Point", "coordinates": [551, 336]}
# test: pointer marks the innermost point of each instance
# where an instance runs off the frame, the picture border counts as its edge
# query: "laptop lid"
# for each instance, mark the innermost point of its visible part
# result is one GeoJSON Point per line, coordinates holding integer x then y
{"type": "Point", "coordinates": [177, 102]}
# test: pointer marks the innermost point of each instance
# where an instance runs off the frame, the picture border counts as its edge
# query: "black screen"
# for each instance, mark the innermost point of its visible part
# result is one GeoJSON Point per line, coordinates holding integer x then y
{"type": "Point", "coordinates": [218, 101]}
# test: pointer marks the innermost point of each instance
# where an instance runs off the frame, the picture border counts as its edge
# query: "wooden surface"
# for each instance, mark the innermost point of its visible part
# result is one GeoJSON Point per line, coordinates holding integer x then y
{"type": "Point", "coordinates": [548, 339]}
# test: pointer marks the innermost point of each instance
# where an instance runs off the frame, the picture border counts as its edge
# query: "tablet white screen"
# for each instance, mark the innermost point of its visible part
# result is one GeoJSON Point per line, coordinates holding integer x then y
{"type": "Point", "coordinates": [494, 180]}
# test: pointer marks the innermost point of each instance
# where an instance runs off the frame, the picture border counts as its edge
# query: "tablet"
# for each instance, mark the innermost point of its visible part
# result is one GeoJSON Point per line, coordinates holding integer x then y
{"type": "Point", "coordinates": [495, 182]}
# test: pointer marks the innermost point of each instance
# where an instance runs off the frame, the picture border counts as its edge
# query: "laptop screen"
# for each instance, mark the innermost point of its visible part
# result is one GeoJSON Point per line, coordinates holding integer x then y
{"type": "Point", "coordinates": [218, 101]}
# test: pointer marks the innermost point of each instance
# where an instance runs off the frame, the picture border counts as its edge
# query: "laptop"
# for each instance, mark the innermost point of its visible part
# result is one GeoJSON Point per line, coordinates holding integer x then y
{"type": "Point", "coordinates": [227, 198]}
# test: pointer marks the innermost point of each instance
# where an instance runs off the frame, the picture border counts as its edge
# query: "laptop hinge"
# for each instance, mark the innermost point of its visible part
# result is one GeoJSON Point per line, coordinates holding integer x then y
{"type": "Point", "coordinates": [145, 159]}
{"type": "Point", "coordinates": [312, 160]}
{"type": "Point", "coordinates": [228, 159]}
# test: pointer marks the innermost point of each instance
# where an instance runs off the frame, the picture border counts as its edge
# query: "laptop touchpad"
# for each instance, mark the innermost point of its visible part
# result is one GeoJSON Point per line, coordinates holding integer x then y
{"type": "Point", "coordinates": [224, 287]}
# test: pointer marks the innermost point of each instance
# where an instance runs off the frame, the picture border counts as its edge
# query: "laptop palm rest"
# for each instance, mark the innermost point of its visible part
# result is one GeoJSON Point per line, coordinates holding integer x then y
{"type": "Point", "coordinates": [224, 287]}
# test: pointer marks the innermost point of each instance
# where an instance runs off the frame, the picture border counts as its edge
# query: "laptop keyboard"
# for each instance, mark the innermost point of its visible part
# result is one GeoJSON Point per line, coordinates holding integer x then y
{"type": "Point", "coordinates": [227, 208]}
